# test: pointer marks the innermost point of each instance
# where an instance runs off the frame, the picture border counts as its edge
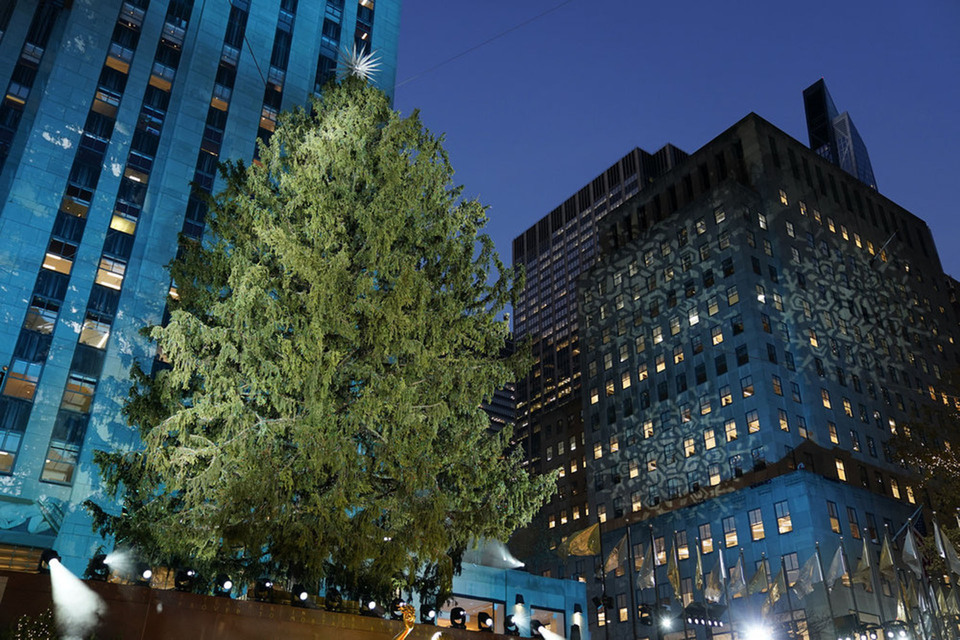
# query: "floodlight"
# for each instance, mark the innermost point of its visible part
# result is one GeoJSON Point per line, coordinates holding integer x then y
{"type": "Point", "coordinates": [299, 595]}
{"type": "Point", "coordinates": [510, 627]}
{"type": "Point", "coordinates": [185, 580]}
{"type": "Point", "coordinates": [396, 611]}
{"type": "Point", "coordinates": [97, 568]}
{"type": "Point", "coordinates": [48, 556]}
{"type": "Point", "coordinates": [428, 615]}
{"type": "Point", "coordinates": [263, 590]}
{"type": "Point", "coordinates": [222, 586]}
{"type": "Point", "coordinates": [458, 618]}
{"type": "Point", "coordinates": [536, 629]}
{"type": "Point", "coordinates": [484, 621]}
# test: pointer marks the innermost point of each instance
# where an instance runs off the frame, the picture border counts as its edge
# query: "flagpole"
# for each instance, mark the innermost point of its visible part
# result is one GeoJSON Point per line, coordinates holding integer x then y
{"type": "Point", "coordinates": [633, 585]}
{"type": "Point", "coordinates": [932, 605]}
{"type": "Point", "coordinates": [726, 594]}
{"type": "Point", "coordinates": [907, 607]}
{"type": "Point", "coordinates": [786, 587]}
{"type": "Point", "coordinates": [683, 607]}
{"type": "Point", "coordinates": [876, 582]}
{"type": "Point", "coordinates": [603, 583]}
{"type": "Point", "coordinates": [826, 587]}
{"type": "Point", "coordinates": [849, 574]}
{"type": "Point", "coordinates": [656, 589]}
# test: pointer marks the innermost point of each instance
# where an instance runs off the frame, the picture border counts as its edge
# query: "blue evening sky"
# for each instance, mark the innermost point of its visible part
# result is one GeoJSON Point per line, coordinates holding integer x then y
{"type": "Point", "coordinates": [534, 115]}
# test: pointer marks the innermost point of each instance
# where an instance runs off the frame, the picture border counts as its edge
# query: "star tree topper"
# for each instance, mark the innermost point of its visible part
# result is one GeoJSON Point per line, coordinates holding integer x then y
{"type": "Point", "coordinates": [358, 63]}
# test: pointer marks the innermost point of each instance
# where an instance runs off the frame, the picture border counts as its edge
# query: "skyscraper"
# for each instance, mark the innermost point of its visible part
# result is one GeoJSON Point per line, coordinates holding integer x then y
{"type": "Point", "coordinates": [754, 327]}
{"type": "Point", "coordinates": [834, 136]}
{"type": "Point", "coordinates": [112, 109]}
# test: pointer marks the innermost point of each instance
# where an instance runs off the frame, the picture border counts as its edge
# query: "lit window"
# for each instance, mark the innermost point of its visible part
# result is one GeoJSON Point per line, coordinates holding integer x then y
{"type": "Point", "coordinates": [783, 197]}
{"type": "Point", "coordinates": [110, 273]}
{"type": "Point", "coordinates": [784, 420]}
{"type": "Point", "coordinates": [841, 471]}
{"type": "Point", "coordinates": [42, 315]}
{"type": "Point", "coordinates": [784, 522]}
{"type": "Point", "coordinates": [834, 516]}
{"type": "Point", "coordinates": [705, 407]}
{"type": "Point", "coordinates": [777, 385]}
{"type": "Point", "coordinates": [597, 451]}
{"type": "Point", "coordinates": [895, 488]}
{"type": "Point", "coordinates": [706, 539]}
{"type": "Point", "coordinates": [733, 297]}
{"type": "Point", "coordinates": [730, 429]}
{"type": "Point", "coordinates": [602, 513]}
{"type": "Point", "coordinates": [832, 428]}
{"type": "Point", "coordinates": [730, 532]}
{"type": "Point", "coordinates": [123, 224]}
{"type": "Point", "coordinates": [95, 332]}
{"type": "Point", "coordinates": [753, 421]}
{"type": "Point", "coordinates": [762, 220]}
{"type": "Point", "coordinates": [825, 397]}
{"type": "Point", "coordinates": [594, 396]}
{"type": "Point", "coordinates": [563, 517]}
{"type": "Point", "coordinates": [573, 465]}
{"type": "Point", "coordinates": [716, 335]}
{"type": "Point", "coordinates": [854, 523]}
{"type": "Point", "coordinates": [59, 256]}
{"type": "Point", "coordinates": [652, 464]}
{"type": "Point", "coordinates": [552, 521]}
{"type": "Point", "coordinates": [719, 216]}
{"type": "Point", "coordinates": [756, 525]}
{"type": "Point", "coordinates": [746, 386]}
{"type": "Point", "coordinates": [625, 380]}
{"type": "Point", "coordinates": [634, 469]}
{"type": "Point", "coordinates": [813, 338]}
{"type": "Point", "coordinates": [642, 372]}
{"type": "Point", "coordinates": [910, 498]}
{"type": "Point", "coordinates": [689, 447]}
{"type": "Point", "coordinates": [694, 316]}
{"type": "Point", "coordinates": [609, 388]}
{"type": "Point", "coordinates": [648, 429]}
{"type": "Point", "coordinates": [674, 326]}
{"type": "Point", "coordinates": [677, 354]}
{"type": "Point", "coordinates": [709, 439]}
{"type": "Point", "coordinates": [726, 395]}
{"type": "Point", "coordinates": [713, 472]}
{"type": "Point", "coordinates": [661, 363]}
{"type": "Point", "coordinates": [635, 502]}
{"type": "Point", "coordinates": [712, 306]}
{"type": "Point", "coordinates": [22, 379]}
{"type": "Point", "coordinates": [657, 335]}
{"type": "Point", "coordinates": [614, 444]}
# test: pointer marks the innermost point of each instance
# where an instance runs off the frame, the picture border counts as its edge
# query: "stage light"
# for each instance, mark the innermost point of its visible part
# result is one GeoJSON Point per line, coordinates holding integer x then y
{"type": "Point", "coordinates": [575, 632]}
{"type": "Point", "coordinates": [458, 618]}
{"type": "Point", "coordinates": [396, 613]}
{"type": "Point", "coordinates": [510, 627]}
{"type": "Point", "coordinates": [536, 629]}
{"type": "Point", "coordinates": [299, 595]}
{"type": "Point", "coordinates": [143, 573]}
{"type": "Point", "coordinates": [519, 599]}
{"type": "Point", "coordinates": [222, 586]}
{"type": "Point", "coordinates": [97, 568]}
{"type": "Point", "coordinates": [185, 580]}
{"type": "Point", "coordinates": [577, 608]}
{"type": "Point", "coordinates": [48, 556]}
{"type": "Point", "coordinates": [484, 621]}
{"type": "Point", "coordinates": [332, 600]}
{"type": "Point", "coordinates": [263, 590]}
{"type": "Point", "coordinates": [428, 615]}
{"type": "Point", "coordinates": [371, 609]}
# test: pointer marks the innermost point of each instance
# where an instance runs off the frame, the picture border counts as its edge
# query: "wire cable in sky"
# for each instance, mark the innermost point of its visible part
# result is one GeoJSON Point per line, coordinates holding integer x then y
{"type": "Point", "coordinates": [484, 43]}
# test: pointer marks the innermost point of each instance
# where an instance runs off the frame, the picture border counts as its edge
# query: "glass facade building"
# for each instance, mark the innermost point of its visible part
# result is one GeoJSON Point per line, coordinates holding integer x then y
{"type": "Point", "coordinates": [112, 110]}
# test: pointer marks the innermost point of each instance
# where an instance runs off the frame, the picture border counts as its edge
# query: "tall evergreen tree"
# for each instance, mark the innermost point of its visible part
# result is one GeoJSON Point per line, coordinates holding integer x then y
{"type": "Point", "coordinates": [327, 354]}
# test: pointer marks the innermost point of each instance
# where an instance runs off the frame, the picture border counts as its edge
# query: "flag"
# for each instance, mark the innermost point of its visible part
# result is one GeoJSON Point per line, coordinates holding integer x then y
{"type": "Point", "coordinates": [837, 569]}
{"type": "Point", "coordinates": [760, 580]}
{"type": "Point", "coordinates": [911, 595]}
{"type": "Point", "coordinates": [952, 602]}
{"type": "Point", "coordinates": [617, 556]}
{"type": "Point", "coordinates": [941, 603]}
{"type": "Point", "coordinates": [886, 566]}
{"type": "Point", "coordinates": [777, 589]}
{"type": "Point", "coordinates": [910, 556]}
{"type": "Point", "coordinates": [738, 581]}
{"type": "Point", "coordinates": [673, 572]}
{"type": "Point", "coordinates": [645, 577]}
{"type": "Point", "coordinates": [946, 549]}
{"type": "Point", "coordinates": [714, 587]}
{"type": "Point", "coordinates": [863, 572]}
{"type": "Point", "coordinates": [809, 576]}
{"type": "Point", "coordinates": [581, 543]}
{"type": "Point", "coordinates": [698, 579]}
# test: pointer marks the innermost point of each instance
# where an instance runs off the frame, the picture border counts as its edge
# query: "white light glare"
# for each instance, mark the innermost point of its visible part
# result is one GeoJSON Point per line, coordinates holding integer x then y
{"type": "Point", "coordinates": [147, 574]}
{"type": "Point", "coordinates": [227, 585]}
{"type": "Point", "coordinates": [303, 596]}
{"type": "Point", "coordinates": [758, 632]}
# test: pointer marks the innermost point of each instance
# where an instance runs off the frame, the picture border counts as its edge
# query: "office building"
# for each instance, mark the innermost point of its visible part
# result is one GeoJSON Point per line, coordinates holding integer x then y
{"type": "Point", "coordinates": [755, 326]}
{"type": "Point", "coordinates": [834, 136]}
{"type": "Point", "coordinates": [112, 109]}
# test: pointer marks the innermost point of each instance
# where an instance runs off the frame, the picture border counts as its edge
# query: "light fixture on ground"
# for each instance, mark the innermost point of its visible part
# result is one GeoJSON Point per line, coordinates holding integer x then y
{"type": "Point", "coordinates": [332, 600]}
{"type": "Point", "coordinates": [97, 568]}
{"type": "Point", "coordinates": [143, 574]}
{"type": "Point", "coordinates": [458, 618]}
{"type": "Point", "coordinates": [428, 614]}
{"type": "Point", "coordinates": [484, 621]}
{"type": "Point", "coordinates": [510, 627]}
{"type": "Point", "coordinates": [222, 586]}
{"type": "Point", "coordinates": [575, 632]}
{"type": "Point", "coordinates": [370, 608]}
{"type": "Point", "coordinates": [396, 611]}
{"type": "Point", "coordinates": [185, 580]}
{"type": "Point", "coordinates": [299, 595]}
{"type": "Point", "coordinates": [536, 629]}
{"type": "Point", "coordinates": [48, 556]}
{"type": "Point", "coordinates": [263, 590]}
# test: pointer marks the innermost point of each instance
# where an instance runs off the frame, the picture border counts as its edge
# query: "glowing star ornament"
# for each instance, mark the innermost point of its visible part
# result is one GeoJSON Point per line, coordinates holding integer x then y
{"type": "Point", "coordinates": [361, 64]}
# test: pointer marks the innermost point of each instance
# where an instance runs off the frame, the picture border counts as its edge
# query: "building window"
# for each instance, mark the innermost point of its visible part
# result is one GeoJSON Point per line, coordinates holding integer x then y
{"type": "Point", "coordinates": [777, 385]}
{"type": "Point", "coordinates": [895, 488]}
{"type": "Point", "coordinates": [95, 332]}
{"type": "Point", "coordinates": [783, 419]}
{"type": "Point", "coordinates": [677, 354]}
{"type": "Point", "coordinates": [683, 549]}
{"type": "Point", "coordinates": [753, 421]}
{"type": "Point", "coordinates": [825, 397]}
{"type": "Point", "coordinates": [714, 474]}
{"type": "Point", "coordinates": [689, 447]}
{"type": "Point", "coordinates": [602, 513]}
{"type": "Point", "coordinates": [625, 380]}
{"type": "Point", "coordinates": [726, 395]}
{"type": "Point", "coordinates": [59, 256]}
{"type": "Point", "coordinates": [716, 335]}
{"type": "Point", "coordinates": [783, 198]}
{"type": "Point", "coordinates": [78, 393]}
{"type": "Point", "coordinates": [110, 273]}
{"type": "Point", "coordinates": [733, 296]}
{"type": "Point", "coordinates": [834, 516]}
{"type": "Point", "coordinates": [729, 532]}
{"type": "Point", "coordinates": [841, 472]}
{"type": "Point", "coordinates": [597, 451]}
{"type": "Point", "coordinates": [756, 525]}
{"type": "Point", "coordinates": [642, 372]}
{"type": "Point", "coordinates": [705, 407]}
{"type": "Point", "coordinates": [784, 523]}
{"type": "Point", "coordinates": [746, 386]}
{"type": "Point", "coordinates": [854, 523]}
{"type": "Point", "coordinates": [730, 429]}
{"type": "Point", "coordinates": [635, 501]}
{"type": "Point", "coordinates": [709, 439]}
{"type": "Point", "coordinates": [22, 379]}
{"type": "Point", "coordinates": [706, 539]}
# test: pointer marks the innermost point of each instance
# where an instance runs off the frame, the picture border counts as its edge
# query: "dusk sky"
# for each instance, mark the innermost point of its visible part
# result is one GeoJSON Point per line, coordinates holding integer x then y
{"type": "Point", "coordinates": [534, 115]}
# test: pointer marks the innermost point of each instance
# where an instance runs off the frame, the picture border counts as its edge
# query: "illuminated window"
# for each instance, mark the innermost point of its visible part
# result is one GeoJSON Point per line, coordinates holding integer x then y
{"type": "Point", "coordinates": [729, 532]}
{"type": "Point", "coordinates": [834, 516]}
{"type": "Point", "coordinates": [713, 306]}
{"type": "Point", "coordinates": [847, 407]}
{"type": "Point", "coordinates": [753, 421]}
{"type": "Point", "coordinates": [746, 386]}
{"type": "Point", "coordinates": [693, 316]}
{"type": "Point", "coordinates": [730, 429]}
{"type": "Point", "coordinates": [95, 332]}
{"type": "Point", "coordinates": [609, 388]}
{"type": "Point", "coordinates": [573, 465]}
{"type": "Point", "coordinates": [625, 380]}
{"type": "Point", "coordinates": [719, 216]}
{"type": "Point", "coordinates": [706, 539]}
{"type": "Point", "coordinates": [597, 451]}
{"type": "Point", "coordinates": [602, 513]}
{"type": "Point", "coordinates": [634, 469]}
{"type": "Point", "coordinates": [756, 525]}
{"type": "Point", "coordinates": [59, 256]}
{"type": "Point", "coordinates": [784, 522]}
{"type": "Point", "coordinates": [642, 372]}
{"type": "Point", "coordinates": [635, 502]}
{"type": "Point", "coordinates": [841, 471]}
{"type": "Point", "coordinates": [709, 439]}
{"type": "Point", "coordinates": [657, 335]}
{"type": "Point", "coordinates": [713, 472]}
{"type": "Point", "coordinates": [594, 396]}
{"type": "Point", "coordinates": [784, 420]}
{"type": "Point", "coordinates": [783, 197]}
{"type": "Point", "coordinates": [910, 498]}
{"type": "Point", "coordinates": [123, 224]}
{"type": "Point", "coordinates": [661, 363]}
{"type": "Point", "coordinates": [648, 429]}
{"type": "Point", "coordinates": [42, 315]}
{"type": "Point", "coordinates": [705, 407]}
{"type": "Point", "coordinates": [689, 447]}
{"type": "Point", "coordinates": [683, 548]}
{"type": "Point", "coordinates": [854, 523]}
{"type": "Point", "coordinates": [726, 395]}
{"type": "Point", "coordinates": [733, 297]}
{"type": "Point", "coordinates": [832, 428]}
{"type": "Point", "coordinates": [762, 220]}
{"type": "Point", "coordinates": [552, 521]}
{"type": "Point", "coordinates": [716, 335]}
{"type": "Point", "coordinates": [825, 398]}
{"type": "Point", "coordinates": [652, 464]}
{"type": "Point", "coordinates": [894, 488]}
{"type": "Point", "coordinates": [110, 273]}
{"type": "Point", "coordinates": [614, 444]}
{"type": "Point", "coordinates": [678, 354]}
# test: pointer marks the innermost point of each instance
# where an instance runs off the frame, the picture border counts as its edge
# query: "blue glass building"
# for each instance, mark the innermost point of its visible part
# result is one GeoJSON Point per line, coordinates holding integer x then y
{"type": "Point", "coordinates": [112, 109]}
